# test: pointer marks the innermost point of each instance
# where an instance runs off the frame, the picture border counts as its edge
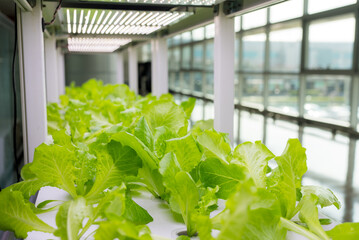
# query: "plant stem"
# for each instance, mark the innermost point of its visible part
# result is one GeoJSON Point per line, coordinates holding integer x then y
{"type": "Point", "coordinates": [87, 226]}
{"type": "Point", "coordinates": [298, 229]}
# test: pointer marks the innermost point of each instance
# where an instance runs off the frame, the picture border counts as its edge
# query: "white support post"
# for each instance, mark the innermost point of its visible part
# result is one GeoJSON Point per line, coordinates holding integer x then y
{"type": "Point", "coordinates": [32, 76]}
{"type": "Point", "coordinates": [159, 67]}
{"type": "Point", "coordinates": [52, 86]}
{"type": "Point", "coordinates": [61, 71]}
{"type": "Point", "coordinates": [120, 69]}
{"type": "Point", "coordinates": [224, 73]}
{"type": "Point", "coordinates": [133, 69]}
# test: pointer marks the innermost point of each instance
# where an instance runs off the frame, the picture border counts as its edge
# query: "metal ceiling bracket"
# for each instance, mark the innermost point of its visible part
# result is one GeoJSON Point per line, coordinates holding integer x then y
{"type": "Point", "coordinates": [231, 6]}
{"type": "Point", "coordinates": [126, 6]}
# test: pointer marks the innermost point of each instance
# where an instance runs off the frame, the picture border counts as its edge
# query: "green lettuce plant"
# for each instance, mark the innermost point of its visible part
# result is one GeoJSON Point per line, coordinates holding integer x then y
{"type": "Point", "coordinates": [109, 143]}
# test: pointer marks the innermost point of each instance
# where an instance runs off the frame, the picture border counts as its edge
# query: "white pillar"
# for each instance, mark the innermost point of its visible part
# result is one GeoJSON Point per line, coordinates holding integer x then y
{"type": "Point", "coordinates": [159, 67]}
{"type": "Point", "coordinates": [52, 90]}
{"type": "Point", "coordinates": [120, 69]}
{"type": "Point", "coordinates": [224, 73]}
{"type": "Point", "coordinates": [32, 76]}
{"type": "Point", "coordinates": [133, 69]}
{"type": "Point", "coordinates": [61, 72]}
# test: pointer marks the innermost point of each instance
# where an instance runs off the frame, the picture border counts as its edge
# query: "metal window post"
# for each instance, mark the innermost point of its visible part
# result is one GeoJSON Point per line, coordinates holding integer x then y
{"type": "Point", "coordinates": [52, 91]}
{"type": "Point", "coordinates": [224, 73]}
{"type": "Point", "coordinates": [133, 69]}
{"type": "Point", "coordinates": [159, 66]}
{"type": "Point", "coordinates": [120, 69]}
{"type": "Point", "coordinates": [32, 78]}
{"type": "Point", "coordinates": [61, 71]}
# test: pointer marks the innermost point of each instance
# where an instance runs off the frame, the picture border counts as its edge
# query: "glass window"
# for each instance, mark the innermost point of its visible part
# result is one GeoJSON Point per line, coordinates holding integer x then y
{"type": "Point", "coordinates": [328, 97]}
{"type": "Point", "coordinates": [198, 34]}
{"type": "Point", "coordinates": [254, 19]}
{"type": "Point", "coordinates": [252, 93]}
{"type": "Point", "coordinates": [209, 31]}
{"type": "Point", "coordinates": [208, 110]}
{"type": "Point", "coordinates": [315, 6]}
{"type": "Point", "coordinates": [251, 127]}
{"type": "Point", "coordinates": [172, 80]}
{"type": "Point", "coordinates": [186, 57]}
{"type": "Point", "coordinates": [169, 42]}
{"type": "Point", "coordinates": [176, 40]}
{"type": "Point", "coordinates": [237, 24]}
{"type": "Point", "coordinates": [253, 52]}
{"type": "Point", "coordinates": [331, 43]}
{"type": "Point", "coordinates": [186, 81]}
{"type": "Point", "coordinates": [198, 56]}
{"type": "Point", "coordinates": [331, 163]}
{"type": "Point", "coordinates": [236, 127]}
{"type": "Point", "coordinates": [278, 133]}
{"type": "Point", "coordinates": [209, 55]}
{"type": "Point", "coordinates": [285, 45]}
{"type": "Point", "coordinates": [286, 10]}
{"type": "Point", "coordinates": [186, 37]}
{"type": "Point", "coordinates": [177, 80]}
{"type": "Point", "coordinates": [197, 113]}
{"type": "Point", "coordinates": [198, 82]}
{"type": "Point", "coordinates": [283, 94]}
{"type": "Point", "coordinates": [209, 83]}
{"type": "Point", "coordinates": [237, 84]}
{"type": "Point", "coordinates": [236, 53]}
{"type": "Point", "coordinates": [174, 58]}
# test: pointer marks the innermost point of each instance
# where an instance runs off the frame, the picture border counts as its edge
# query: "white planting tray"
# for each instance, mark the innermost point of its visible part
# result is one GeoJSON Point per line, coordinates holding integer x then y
{"type": "Point", "coordinates": [163, 222]}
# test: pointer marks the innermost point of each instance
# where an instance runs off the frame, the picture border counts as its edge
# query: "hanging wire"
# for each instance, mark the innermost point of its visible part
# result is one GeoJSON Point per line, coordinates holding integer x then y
{"type": "Point", "coordinates": [54, 15]}
{"type": "Point", "coordinates": [14, 126]}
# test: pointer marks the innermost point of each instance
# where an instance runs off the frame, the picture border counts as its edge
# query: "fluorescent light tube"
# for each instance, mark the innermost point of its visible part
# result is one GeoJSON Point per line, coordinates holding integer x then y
{"type": "Point", "coordinates": [119, 18]}
{"type": "Point", "coordinates": [127, 16]}
{"type": "Point", "coordinates": [74, 24]}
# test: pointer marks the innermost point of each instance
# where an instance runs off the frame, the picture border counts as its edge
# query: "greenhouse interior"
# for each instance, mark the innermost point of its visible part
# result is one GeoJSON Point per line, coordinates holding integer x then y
{"type": "Point", "coordinates": [179, 119]}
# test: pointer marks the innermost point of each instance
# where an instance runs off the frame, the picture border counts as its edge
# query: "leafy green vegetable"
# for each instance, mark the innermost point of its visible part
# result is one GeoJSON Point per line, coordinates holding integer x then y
{"type": "Point", "coordinates": [347, 231]}
{"type": "Point", "coordinates": [16, 215]}
{"type": "Point", "coordinates": [253, 214]}
{"type": "Point", "coordinates": [204, 227]}
{"type": "Point", "coordinates": [186, 195]}
{"type": "Point", "coordinates": [108, 144]}
{"type": "Point", "coordinates": [69, 218]}
{"type": "Point", "coordinates": [122, 230]}
{"type": "Point", "coordinates": [291, 168]}
{"type": "Point", "coordinates": [188, 106]}
{"type": "Point", "coordinates": [114, 162]}
{"type": "Point", "coordinates": [186, 150]}
{"type": "Point", "coordinates": [309, 215]}
{"type": "Point", "coordinates": [28, 188]}
{"type": "Point", "coordinates": [254, 157]}
{"type": "Point", "coordinates": [135, 213]}
{"type": "Point", "coordinates": [54, 164]}
{"type": "Point", "coordinates": [325, 196]}
{"type": "Point", "coordinates": [215, 145]}
{"type": "Point", "coordinates": [168, 114]}
{"type": "Point", "coordinates": [214, 173]}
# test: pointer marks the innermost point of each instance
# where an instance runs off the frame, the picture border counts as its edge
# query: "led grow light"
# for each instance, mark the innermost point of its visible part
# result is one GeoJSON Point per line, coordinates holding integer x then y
{"type": "Point", "coordinates": [119, 22]}
{"type": "Point", "coordinates": [78, 44]}
{"type": "Point", "coordinates": [167, 2]}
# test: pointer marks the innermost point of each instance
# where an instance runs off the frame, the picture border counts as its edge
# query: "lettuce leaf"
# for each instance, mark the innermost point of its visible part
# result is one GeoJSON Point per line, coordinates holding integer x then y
{"type": "Point", "coordinates": [54, 164]}
{"type": "Point", "coordinates": [291, 167]}
{"type": "Point", "coordinates": [17, 215]}
{"type": "Point", "coordinates": [214, 173]}
{"type": "Point", "coordinates": [254, 158]}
